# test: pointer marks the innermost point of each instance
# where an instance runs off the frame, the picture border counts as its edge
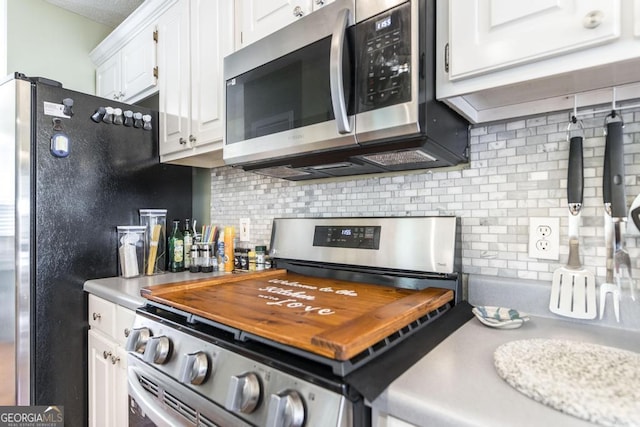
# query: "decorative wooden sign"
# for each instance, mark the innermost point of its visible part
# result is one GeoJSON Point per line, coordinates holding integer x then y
{"type": "Point", "coordinates": [333, 318]}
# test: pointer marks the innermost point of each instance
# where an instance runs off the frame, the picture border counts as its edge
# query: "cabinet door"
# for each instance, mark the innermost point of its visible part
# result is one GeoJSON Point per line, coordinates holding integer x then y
{"type": "Point", "coordinates": [263, 17]}
{"type": "Point", "coordinates": [108, 78]}
{"type": "Point", "coordinates": [173, 76]}
{"type": "Point", "coordinates": [102, 315]}
{"type": "Point", "coordinates": [317, 4]}
{"type": "Point", "coordinates": [636, 18]}
{"type": "Point", "coordinates": [138, 63]}
{"type": "Point", "coordinates": [124, 324]}
{"type": "Point", "coordinates": [211, 41]}
{"type": "Point", "coordinates": [121, 388]}
{"type": "Point", "coordinates": [487, 35]}
{"type": "Point", "coordinates": [101, 380]}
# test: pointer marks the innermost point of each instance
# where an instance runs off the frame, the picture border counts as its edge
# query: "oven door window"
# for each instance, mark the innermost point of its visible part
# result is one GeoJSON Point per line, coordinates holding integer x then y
{"type": "Point", "coordinates": [288, 93]}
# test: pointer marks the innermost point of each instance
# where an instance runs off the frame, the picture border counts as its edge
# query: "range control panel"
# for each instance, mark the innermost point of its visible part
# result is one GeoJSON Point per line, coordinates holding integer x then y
{"type": "Point", "coordinates": [385, 62]}
{"type": "Point", "coordinates": [347, 236]}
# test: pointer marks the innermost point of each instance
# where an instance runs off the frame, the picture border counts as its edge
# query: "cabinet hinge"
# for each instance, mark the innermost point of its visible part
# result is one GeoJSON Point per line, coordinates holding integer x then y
{"type": "Point", "coordinates": [155, 36]}
{"type": "Point", "coordinates": [155, 72]}
{"type": "Point", "coordinates": [446, 58]}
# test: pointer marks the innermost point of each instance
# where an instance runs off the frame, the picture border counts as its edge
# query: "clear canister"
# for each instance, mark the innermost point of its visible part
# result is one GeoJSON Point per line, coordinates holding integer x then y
{"type": "Point", "coordinates": [155, 221]}
{"type": "Point", "coordinates": [131, 250]}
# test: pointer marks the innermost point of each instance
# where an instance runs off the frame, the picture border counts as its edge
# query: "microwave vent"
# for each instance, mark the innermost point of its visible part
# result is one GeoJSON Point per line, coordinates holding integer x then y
{"type": "Point", "coordinates": [396, 158]}
{"type": "Point", "coordinates": [339, 165]}
{"type": "Point", "coordinates": [283, 172]}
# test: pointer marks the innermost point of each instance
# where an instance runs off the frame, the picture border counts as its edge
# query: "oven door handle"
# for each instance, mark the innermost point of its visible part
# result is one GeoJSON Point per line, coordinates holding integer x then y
{"type": "Point", "coordinates": [335, 72]}
{"type": "Point", "coordinates": [148, 405]}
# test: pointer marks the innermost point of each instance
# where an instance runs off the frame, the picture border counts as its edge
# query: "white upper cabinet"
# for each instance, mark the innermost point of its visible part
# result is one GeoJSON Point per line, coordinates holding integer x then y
{"type": "Point", "coordinates": [258, 18]}
{"type": "Point", "coordinates": [488, 35]}
{"type": "Point", "coordinates": [194, 36]}
{"type": "Point", "coordinates": [173, 66]}
{"type": "Point", "coordinates": [109, 78]}
{"type": "Point", "coordinates": [209, 45]}
{"type": "Point", "coordinates": [130, 74]}
{"type": "Point", "coordinates": [139, 71]}
{"type": "Point", "coordinates": [497, 59]}
{"type": "Point", "coordinates": [125, 61]}
{"type": "Point", "coordinates": [262, 17]}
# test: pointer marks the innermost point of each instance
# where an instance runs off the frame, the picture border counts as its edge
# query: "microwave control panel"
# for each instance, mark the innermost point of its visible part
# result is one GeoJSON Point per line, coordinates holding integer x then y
{"type": "Point", "coordinates": [385, 61]}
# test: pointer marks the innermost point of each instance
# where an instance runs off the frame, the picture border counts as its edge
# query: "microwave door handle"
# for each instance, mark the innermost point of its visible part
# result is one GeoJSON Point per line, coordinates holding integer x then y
{"type": "Point", "coordinates": [335, 72]}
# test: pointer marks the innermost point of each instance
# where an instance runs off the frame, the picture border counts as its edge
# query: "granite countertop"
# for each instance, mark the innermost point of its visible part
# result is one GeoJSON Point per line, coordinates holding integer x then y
{"type": "Point", "coordinates": [126, 292]}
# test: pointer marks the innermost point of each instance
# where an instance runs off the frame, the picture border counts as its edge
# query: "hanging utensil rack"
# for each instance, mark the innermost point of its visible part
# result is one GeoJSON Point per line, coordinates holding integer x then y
{"type": "Point", "coordinates": [613, 110]}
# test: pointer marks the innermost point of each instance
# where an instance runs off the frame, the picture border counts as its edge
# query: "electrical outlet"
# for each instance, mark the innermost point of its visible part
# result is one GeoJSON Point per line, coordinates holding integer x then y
{"type": "Point", "coordinates": [245, 230]}
{"type": "Point", "coordinates": [544, 238]}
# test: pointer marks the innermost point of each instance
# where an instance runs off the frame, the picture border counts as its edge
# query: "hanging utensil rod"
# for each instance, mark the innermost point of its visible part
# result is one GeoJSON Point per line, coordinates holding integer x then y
{"type": "Point", "coordinates": [614, 107]}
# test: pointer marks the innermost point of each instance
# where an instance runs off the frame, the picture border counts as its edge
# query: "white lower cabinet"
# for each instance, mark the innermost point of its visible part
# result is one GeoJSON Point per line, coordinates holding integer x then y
{"type": "Point", "coordinates": [108, 394]}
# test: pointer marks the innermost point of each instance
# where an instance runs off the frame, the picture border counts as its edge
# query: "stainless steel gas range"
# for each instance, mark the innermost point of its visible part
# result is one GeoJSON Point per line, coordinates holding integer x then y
{"type": "Point", "coordinates": [350, 305]}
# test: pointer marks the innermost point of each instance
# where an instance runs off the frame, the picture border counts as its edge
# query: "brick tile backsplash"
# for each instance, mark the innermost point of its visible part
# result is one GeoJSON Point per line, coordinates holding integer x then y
{"type": "Point", "coordinates": [517, 170]}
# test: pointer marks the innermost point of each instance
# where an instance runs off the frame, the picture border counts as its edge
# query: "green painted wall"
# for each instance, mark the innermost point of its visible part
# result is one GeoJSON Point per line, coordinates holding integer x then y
{"type": "Point", "coordinates": [45, 40]}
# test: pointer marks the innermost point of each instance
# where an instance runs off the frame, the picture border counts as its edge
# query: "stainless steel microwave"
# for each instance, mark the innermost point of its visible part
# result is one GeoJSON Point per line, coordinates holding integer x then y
{"type": "Point", "coordinates": [348, 89]}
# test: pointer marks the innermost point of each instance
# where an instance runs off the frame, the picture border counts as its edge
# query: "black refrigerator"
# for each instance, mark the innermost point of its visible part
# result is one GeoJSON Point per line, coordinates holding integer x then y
{"type": "Point", "coordinates": [72, 170]}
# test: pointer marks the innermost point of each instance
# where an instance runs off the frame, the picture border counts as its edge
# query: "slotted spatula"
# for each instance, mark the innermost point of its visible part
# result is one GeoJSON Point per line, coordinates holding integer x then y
{"type": "Point", "coordinates": [573, 289]}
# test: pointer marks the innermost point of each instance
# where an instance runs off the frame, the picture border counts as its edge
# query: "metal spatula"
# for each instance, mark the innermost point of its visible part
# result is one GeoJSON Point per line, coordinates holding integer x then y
{"type": "Point", "coordinates": [573, 289]}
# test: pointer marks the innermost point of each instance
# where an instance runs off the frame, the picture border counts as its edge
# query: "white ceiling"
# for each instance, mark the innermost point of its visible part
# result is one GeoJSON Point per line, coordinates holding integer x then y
{"type": "Point", "coordinates": [110, 13]}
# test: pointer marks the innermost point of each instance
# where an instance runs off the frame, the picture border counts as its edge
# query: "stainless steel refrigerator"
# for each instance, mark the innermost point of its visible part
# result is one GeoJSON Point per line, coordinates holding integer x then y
{"type": "Point", "coordinates": [69, 176]}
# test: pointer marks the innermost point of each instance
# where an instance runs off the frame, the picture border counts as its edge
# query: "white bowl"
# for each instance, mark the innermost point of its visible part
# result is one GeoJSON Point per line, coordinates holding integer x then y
{"type": "Point", "coordinates": [500, 317]}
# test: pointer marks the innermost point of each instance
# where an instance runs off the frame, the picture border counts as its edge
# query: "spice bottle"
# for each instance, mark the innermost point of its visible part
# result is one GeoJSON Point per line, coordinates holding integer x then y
{"type": "Point", "coordinates": [260, 253]}
{"type": "Point", "coordinates": [206, 260]}
{"type": "Point", "coordinates": [220, 252]}
{"type": "Point", "coordinates": [241, 259]}
{"type": "Point", "coordinates": [252, 261]}
{"type": "Point", "coordinates": [267, 261]}
{"type": "Point", "coordinates": [195, 258]}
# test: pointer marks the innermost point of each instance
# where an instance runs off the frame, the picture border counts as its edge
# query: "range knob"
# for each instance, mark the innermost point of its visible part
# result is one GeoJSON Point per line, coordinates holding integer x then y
{"type": "Point", "coordinates": [286, 409]}
{"type": "Point", "coordinates": [195, 368]}
{"type": "Point", "coordinates": [244, 393]}
{"type": "Point", "coordinates": [158, 350]}
{"type": "Point", "coordinates": [137, 340]}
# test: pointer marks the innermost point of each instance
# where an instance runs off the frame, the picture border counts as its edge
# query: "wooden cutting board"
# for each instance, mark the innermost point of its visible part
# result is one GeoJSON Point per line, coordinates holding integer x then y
{"type": "Point", "coordinates": [332, 318]}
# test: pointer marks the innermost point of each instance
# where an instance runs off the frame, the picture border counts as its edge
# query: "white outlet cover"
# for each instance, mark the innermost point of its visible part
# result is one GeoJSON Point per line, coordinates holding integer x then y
{"type": "Point", "coordinates": [245, 227]}
{"type": "Point", "coordinates": [553, 239]}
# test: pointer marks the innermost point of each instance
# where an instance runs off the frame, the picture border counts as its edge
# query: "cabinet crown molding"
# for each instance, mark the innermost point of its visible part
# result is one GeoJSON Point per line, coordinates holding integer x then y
{"type": "Point", "coordinates": [145, 15]}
